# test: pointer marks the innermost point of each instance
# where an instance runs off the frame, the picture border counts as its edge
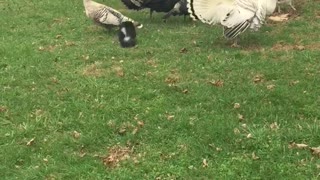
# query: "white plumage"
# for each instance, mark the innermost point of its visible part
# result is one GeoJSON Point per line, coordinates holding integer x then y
{"type": "Point", "coordinates": [104, 15]}
{"type": "Point", "coordinates": [235, 15]}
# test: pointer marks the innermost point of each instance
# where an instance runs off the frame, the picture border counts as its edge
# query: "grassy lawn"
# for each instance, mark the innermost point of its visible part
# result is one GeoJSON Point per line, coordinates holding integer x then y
{"type": "Point", "coordinates": [182, 104]}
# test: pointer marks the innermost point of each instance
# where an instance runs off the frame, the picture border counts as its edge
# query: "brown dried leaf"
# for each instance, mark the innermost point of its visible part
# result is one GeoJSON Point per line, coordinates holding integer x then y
{"type": "Point", "coordinates": [140, 123]}
{"type": "Point", "coordinates": [315, 151]}
{"type": "Point", "coordinates": [70, 43]}
{"type": "Point", "coordinates": [271, 86]}
{"type": "Point", "coordinates": [258, 78]}
{"type": "Point", "coordinates": [183, 50]}
{"type": "Point", "coordinates": [217, 83]}
{"type": "Point", "coordinates": [274, 126]}
{"type": "Point", "coordinates": [116, 154]}
{"type": "Point", "coordinates": [3, 109]}
{"type": "Point", "coordinates": [185, 91]}
{"type": "Point", "coordinates": [76, 134]}
{"type": "Point", "coordinates": [135, 130]}
{"type": "Point", "coordinates": [240, 117]}
{"type": "Point", "coordinates": [58, 36]}
{"type": "Point", "coordinates": [204, 163]}
{"type": "Point", "coordinates": [236, 106]}
{"type": "Point", "coordinates": [170, 117]}
{"type": "Point", "coordinates": [30, 142]}
{"type": "Point", "coordinates": [254, 156]}
{"type": "Point", "coordinates": [236, 131]}
{"type": "Point", "coordinates": [297, 146]}
{"type": "Point", "coordinates": [279, 18]}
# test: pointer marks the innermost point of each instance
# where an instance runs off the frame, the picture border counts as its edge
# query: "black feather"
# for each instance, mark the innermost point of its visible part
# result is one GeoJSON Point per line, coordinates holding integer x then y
{"type": "Point", "coordinates": [180, 8]}
{"type": "Point", "coordinates": [153, 5]}
{"type": "Point", "coordinates": [127, 34]}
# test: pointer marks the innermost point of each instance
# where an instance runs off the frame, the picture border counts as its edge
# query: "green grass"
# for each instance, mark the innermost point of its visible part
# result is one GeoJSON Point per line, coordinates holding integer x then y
{"type": "Point", "coordinates": [59, 73]}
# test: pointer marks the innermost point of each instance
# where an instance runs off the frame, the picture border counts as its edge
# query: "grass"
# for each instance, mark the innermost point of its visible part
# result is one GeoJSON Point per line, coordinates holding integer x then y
{"type": "Point", "coordinates": [75, 105]}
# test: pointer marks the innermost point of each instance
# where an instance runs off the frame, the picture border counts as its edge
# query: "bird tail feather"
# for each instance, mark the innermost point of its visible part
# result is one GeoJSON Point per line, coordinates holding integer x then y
{"type": "Point", "coordinates": [209, 11]}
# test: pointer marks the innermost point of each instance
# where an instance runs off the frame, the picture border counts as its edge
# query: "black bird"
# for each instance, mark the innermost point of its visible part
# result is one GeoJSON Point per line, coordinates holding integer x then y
{"type": "Point", "coordinates": [180, 8]}
{"type": "Point", "coordinates": [127, 34]}
{"type": "Point", "coordinates": [153, 5]}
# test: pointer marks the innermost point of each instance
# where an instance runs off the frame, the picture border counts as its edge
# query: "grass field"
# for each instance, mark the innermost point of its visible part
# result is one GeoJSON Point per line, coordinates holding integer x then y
{"type": "Point", "coordinates": [182, 104]}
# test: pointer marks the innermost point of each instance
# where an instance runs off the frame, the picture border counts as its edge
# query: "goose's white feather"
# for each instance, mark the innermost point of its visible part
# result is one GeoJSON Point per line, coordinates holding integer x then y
{"type": "Point", "coordinates": [231, 13]}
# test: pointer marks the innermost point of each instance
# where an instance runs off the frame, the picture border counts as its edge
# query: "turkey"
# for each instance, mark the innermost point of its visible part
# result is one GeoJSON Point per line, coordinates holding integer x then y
{"type": "Point", "coordinates": [289, 2]}
{"type": "Point", "coordinates": [180, 8]}
{"type": "Point", "coordinates": [127, 34]}
{"type": "Point", "coordinates": [235, 16]}
{"type": "Point", "coordinates": [105, 16]}
{"type": "Point", "coordinates": [153, 5]}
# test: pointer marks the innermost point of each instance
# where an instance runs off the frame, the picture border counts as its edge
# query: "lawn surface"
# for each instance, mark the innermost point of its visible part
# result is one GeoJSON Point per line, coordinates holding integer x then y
{"type": "Point", "coordinates": [182, 104]}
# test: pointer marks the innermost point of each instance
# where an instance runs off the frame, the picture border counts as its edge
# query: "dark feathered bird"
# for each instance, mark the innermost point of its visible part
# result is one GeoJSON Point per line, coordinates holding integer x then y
{"type": "Point", "coordinates": [153, 5]}
{"type": "Point", "coordinates": [127, 34]}
{"type": "Point", "coordinates": [180, 8]}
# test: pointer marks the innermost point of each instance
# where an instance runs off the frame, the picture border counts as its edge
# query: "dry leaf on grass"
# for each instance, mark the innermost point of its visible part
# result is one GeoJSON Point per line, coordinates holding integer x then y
{"type": "Point", "coordinates": [258, 78]}
{"type": "Point", "coordinates": [170, 117]}
{"type": "Point", "coordinates": [204, 163]}
{"type": "Point", "coordinates": [217, 83]}
{"type": "Point", "coordinates": [240, 117]}
{"type": "Point", "coordinates": [116, 154]}
{"type": "Point", "coordinates": [274, 126]}
{"type": "Point", "coordinates": [315, 151]}
{"type": "Point", "coordinates": [30, 142]}
{"type": "Point", "coordinates": [236, 106]}
{"type": "Point", "coordinates": [279, 18]}
{"type": "Point", "coordinates": [3, 108]}
{"type": "Point", "coordinates": [76, 134]}
{"type": "Point", "coordinates": [271, 87]}
{"type": "Point", "coordinates": [294, 145]}
{"type": "Point", "coordinates": [254, 156]}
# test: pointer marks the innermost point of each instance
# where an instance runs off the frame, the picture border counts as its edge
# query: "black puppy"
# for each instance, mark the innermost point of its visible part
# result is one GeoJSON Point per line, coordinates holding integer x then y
{"type": "Point", "coordinates": [127, 34]}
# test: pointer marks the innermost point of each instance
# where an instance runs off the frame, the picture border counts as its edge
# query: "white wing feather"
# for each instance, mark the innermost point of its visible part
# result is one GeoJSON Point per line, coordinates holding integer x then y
{"type": "Point", "coordinates": [231, 13]}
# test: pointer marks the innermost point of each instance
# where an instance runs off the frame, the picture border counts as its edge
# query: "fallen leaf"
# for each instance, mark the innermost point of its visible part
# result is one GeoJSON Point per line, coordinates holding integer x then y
{"type": "Point", "coordinates": [204, 163]}
{"type": "Point", "coordinates": [135, 130]}
{"type": "Point", "coordinates": [279, 18]}
{"type": "Point", "coordinates": [183, 50]}
{"type": "Point", "coordinates": [116, 154]}
{"type": "Point", "coordinates": [258, 78]}
{"type": "Point", "coordinates": [170, 117]}
{"type": "Point", "coordinates": [217, 83]}
{"type": "Point", "coordinates": [30, 142]}
{"type": "Point", "coordinates": [76, 134]}
{"type": "Point", "coordinates": [240, 117]}
{"type": "Point", "coordinates": [3, 108]}
{"type": "Point", "coordinates": [236, 106]}
{"type": "Point", "coordinates": [45, 160]}
{"type": "Point", "coordinates": [236, 131]}
{"type": "Point", "coordinates": [249, 136]}
{"type": "Point", "coordinates": [318, 166]}
{"type": "Point", "coordinates": [58, 36]}
{"type": "Point", "coordinates": [254, 156]}
{"type": "Point", "coordinates": [315, 151]}
{"type": "Point", "coordinates": [218, 149]}
{"type": "Point", "coordinates": [70, 43]}
{"type": "Point", "coordinates": [274, 126]}
{"type": "Point", "coordinates": [141, 123]}
{"type": "Point", "coordinates": [185, 91]}
{"type": "Point", "coordinates": [271, 86]}
{"type": "Point", "coordinates": [297, 146]}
